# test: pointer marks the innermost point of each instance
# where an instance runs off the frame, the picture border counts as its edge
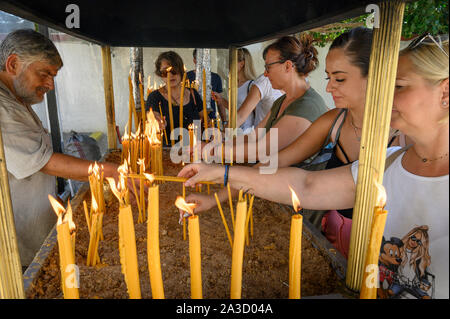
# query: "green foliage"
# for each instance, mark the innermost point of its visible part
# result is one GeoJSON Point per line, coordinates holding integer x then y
{"type": "Point", "coordinates": [420, 16]}
{"type": "Point", "coordinates": [425, 16]}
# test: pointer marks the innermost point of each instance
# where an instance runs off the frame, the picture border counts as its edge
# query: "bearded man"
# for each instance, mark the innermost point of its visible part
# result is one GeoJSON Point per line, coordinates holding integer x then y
{"type": "Point", "coordinates": [29, 62]}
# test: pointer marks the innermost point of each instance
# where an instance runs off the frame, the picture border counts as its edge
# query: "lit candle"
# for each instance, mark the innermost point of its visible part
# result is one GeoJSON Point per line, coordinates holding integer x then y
{"type": "Point", "coordinates": [66, 250]}
{"type": "Point", "coordinates": [169, 95]}
{"type": "Point", "coordinates": [194, 248]}
{"type": "Point", "coordinates": [127, 239]}
{"type": "Point", "coordinates": [238, 250]}
{"type": "Point", "coordinates": [153, 254]}
{"type": "Point", "coordinates": [125, 146]}
{"type": "Point", "coordinates": [94, 236]}
{"type": "Point", "coordinates": [295, 249]}
{"type": "Point", "coordinates": [370, 278]}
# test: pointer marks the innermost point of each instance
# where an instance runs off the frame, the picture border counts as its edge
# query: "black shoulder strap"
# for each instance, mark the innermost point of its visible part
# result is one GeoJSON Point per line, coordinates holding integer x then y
{"type": "Point", "coordinates": [327, 140]}
{"type": "Point", "coordinates": [248, 86]}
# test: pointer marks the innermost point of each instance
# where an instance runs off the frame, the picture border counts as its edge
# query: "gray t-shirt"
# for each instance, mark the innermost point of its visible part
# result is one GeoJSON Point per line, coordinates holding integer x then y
{"type": "Point", "coordinates": [27, 148]}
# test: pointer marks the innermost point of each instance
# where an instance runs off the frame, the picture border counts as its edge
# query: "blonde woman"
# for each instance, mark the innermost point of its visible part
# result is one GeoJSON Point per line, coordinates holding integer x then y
{"type": "Point", "coordinates": [416, 182]}
{"type": "Point", "coordinates": [246, 76]}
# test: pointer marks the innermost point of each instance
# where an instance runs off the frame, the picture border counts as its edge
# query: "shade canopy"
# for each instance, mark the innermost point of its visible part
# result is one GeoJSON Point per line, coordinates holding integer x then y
{"type": "Point", "coordinates": [184, 24]}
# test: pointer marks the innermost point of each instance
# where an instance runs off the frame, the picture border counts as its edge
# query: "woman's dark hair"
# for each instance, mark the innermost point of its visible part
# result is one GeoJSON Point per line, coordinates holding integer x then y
{"type": "Point", "coordinates": [357, 44]}
{"type": "Point", "coordinates": [173, 59]}
{"type": "Point", "coordinates": [301, 52]}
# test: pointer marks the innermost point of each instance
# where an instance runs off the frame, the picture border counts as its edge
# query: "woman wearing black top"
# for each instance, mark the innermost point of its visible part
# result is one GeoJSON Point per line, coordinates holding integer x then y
{"type": "Point", "coordinates": [192, 102]}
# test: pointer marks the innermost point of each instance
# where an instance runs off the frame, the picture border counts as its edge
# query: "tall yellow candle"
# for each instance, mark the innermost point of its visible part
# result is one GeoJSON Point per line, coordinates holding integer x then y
{"type": "Point", "coordinates": [169, 96]}
{"type": "Point", "coordinates": [182, 102]}
{"type": "Point", "coordinates": [133, 105]}
{"type": "Point", "coordinates": [128, 254]}
{"type": "Point", "coordinates": [205, 112]}
{"type": "Point", "coordinates": [194, 248]}
{"type": "Point", "coordinates": [238, 250]}
{"type": "Point", "coordinates": [370, 278]}
{"type": "Point", "coordinates": [195, 257]}
{"type": "Point", "coordinates": [141, 93]}
{"type": "Point", "coordinates": [153, 254]}
{"type": "Point", "coordinates": [69, 279]}
{"type": "Point", "coordinates": [67, 260]}
{"type": "Point", "coordinates": [295, 250]}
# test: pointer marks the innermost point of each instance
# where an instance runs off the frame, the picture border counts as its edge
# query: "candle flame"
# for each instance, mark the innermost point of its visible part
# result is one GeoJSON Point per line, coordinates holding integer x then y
{"type": "Point", "coordinates": [140, 78]}
{"type": "Point", "coordinates": [112, 185]}
{"type": "Point", "coordinates": [187, 207]}
{"type": "Point", "coordinates": [295, 200]}
{"type": "Point", "coordinates": [57, 208]}
{"type": "Point", "coordinates": [381, 195]}
{"type": "Point", "coordinates": [94, 204]}
{"type": "Point", "coordinates": [141, 163]}
{"type": "Point", "coordinates": [125, 136]}
{"type": "Point", "coordinates": [169, 69]}
{"type": "Point", "coordinates": [69, 218]}
{"type": "Point", "coordinates": [90, 169]}
{"type": "Point", "coordinates": [150, 177]}
{"type": "Point", "coordinates": [152, 128]}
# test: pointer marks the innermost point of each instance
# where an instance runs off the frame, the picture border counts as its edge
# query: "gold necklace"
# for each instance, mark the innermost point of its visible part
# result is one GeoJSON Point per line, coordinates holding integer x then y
{"type": "Point", "coordinates": [358, 138]}
{"type": "Point", "coordinates": [425, 160]}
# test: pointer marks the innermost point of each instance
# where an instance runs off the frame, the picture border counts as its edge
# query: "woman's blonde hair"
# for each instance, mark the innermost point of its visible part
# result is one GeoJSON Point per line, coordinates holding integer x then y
{"type": "Point", "coordinates": [430, 62]}
{"type": "Point", "coordinates": [249, 70]}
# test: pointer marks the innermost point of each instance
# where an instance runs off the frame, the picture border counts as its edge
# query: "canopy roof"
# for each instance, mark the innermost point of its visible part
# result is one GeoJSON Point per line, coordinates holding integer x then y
{"type": "Point", "coordinates": [182, 23]}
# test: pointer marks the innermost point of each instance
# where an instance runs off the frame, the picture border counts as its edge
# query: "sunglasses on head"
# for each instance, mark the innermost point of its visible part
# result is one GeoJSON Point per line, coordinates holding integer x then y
{"type": "Point", "coordinates": [425, 38]}
{"type": "Point", "coordinates": [164, 73]}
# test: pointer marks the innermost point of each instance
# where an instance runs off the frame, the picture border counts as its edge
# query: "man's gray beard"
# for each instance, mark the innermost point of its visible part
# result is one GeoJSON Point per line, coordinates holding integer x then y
{"type": "Point", "coordinates": [27, 95]}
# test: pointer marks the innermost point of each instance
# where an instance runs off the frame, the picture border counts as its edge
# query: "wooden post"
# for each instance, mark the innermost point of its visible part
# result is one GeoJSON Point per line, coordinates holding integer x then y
{"type": "Point", "coordinates": [11, 281]}
{"type": "Point", "coordinates": [233, 87]}
{"type": "Point", "coordinates": [109, 97]}
{"type": "Point", "coordinates": [375, 132]}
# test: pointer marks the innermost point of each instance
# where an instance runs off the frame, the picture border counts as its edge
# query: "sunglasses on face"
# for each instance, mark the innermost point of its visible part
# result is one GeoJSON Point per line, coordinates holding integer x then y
{"type": "Point", "coordinates": [414, 238]}
{"type": "Point", "coordinates": [163, 73]}
{"type": "Point", "coordinates": [426, 38]}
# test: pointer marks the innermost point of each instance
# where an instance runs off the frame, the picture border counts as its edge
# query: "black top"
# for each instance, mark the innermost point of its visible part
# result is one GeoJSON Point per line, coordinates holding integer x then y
{"type": "Point", "coordinates": [191, 110]}
{"type": "Point", "coordinates": [216, 85]}
{"type": "Point", "coordinates": [334, 162]}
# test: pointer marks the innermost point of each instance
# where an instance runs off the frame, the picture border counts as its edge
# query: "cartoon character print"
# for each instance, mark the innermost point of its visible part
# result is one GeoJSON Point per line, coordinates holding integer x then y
{"type": "Point", "coordinates": [404, 266]}
{"type": "Point", "coordinates": [389, 261]}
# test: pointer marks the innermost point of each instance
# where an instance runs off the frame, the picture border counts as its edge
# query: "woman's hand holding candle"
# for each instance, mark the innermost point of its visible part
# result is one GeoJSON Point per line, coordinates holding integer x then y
{"type": "Point", "coordinates": [204, 202]}
{"type": "Point", "coordinates": [202, 172]}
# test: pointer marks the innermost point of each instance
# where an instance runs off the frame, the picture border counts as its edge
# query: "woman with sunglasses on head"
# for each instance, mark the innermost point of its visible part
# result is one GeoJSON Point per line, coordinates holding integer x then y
{"type": "Point", "coordinates": [416, 181]}
{"type": "Point", "coordinates": [192, 102]}
{"type": "Point", "coordinates": [255, 94]}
